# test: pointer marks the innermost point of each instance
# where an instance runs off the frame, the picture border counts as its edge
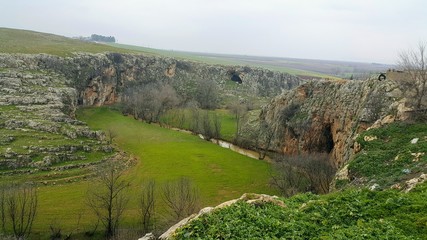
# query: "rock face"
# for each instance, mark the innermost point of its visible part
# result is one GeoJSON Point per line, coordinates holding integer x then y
{"type": "Point", "coordinates": [101, 78]}
{"type": "Point", "coordinates": [325, 116]}
{"type": "Point", "coordinates": [38, 130]}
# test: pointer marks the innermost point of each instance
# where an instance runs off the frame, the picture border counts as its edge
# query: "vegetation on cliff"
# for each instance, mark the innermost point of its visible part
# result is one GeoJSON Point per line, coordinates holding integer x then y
{"type": "Point", "coordinates": [350, 214]}
{"type": "Point", "coordinates": [390, 155]}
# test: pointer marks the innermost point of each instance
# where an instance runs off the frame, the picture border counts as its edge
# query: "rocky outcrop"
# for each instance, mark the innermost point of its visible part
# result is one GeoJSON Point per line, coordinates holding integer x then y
{"type": "Point", "coordinates": [102, 78]}
{"type": "Point", "coordinates": [38, 131]}
{"type": "Point", "coordinates": [325, 116]}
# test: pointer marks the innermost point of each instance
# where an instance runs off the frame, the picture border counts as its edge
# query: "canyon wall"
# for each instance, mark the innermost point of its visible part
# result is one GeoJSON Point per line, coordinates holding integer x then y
{"type": "Point", "coordinates": [325, 116]}
{"type": "Point", "coordinates": [101, 78]}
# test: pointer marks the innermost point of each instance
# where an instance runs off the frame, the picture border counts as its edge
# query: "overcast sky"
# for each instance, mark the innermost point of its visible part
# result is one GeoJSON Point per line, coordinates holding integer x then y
{"type": "Point", "coordinates": [360, 30]}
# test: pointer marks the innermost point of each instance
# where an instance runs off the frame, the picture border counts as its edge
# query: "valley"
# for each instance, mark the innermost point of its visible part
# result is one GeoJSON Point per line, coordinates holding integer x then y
{"type": "Point", "coordinates": [346, 158]}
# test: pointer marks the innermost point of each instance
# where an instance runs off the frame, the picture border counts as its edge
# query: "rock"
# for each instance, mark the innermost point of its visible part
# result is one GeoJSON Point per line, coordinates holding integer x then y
{"type": "Point", "coordinates": [148, 236]}
{"type": "Point", "coordinates": [414, 141]}
{"type": "Point", "coordinates": [325, 116]}
{"type": "Point", "coordinates": [375, 186]}
{"type": "Point", "coordinates": [369, 138]}
{"type": "Point", "coordinates": [417, 156]}
{"type": "Point", "coordinates": [412, 183]}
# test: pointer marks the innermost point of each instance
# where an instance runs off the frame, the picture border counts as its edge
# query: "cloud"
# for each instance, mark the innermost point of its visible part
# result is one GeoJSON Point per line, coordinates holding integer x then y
{"type": "Point", "coordinates": [364, 30]}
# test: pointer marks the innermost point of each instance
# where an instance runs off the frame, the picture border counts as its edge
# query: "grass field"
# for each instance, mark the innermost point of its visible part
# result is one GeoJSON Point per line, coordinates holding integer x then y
{"type": "Point", "coordinates": [23, 41]}
{"type": "Point", "coordinates": [181, 118]}
{"type": "Point", "coordinates": [163, 155]}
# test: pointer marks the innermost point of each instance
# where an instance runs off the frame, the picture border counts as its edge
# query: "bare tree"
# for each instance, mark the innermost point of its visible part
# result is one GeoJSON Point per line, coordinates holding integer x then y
{"type": "Point", "coordinates": [414, 63]}
{"type": "Point", "coordinates": [287, 178]}
{"type": "Point", "coordinates": [264, 139]}
{"type": "Point", "coordinates": [111, 135]}
{"type": "Point", "coordinates": [3, 207]}
{"type": "Point", "coordinates": [147, 204]}
{"type": "Point", "coordinates": [108, 200]}
{"type": "Point", "coordinates": [181, 196]}
{"type": "Point", "coordinates": [150, 101]}
{"type": "Point", "coordinates": [18, 209]}
{"type": "Point", "coordinates": [207, 94]}
{"type": "Point", "coordinates": [239, 112]}
{"type": "Point", "coordinates": [217, 126]}
{"type": "Point", "coordinates": [305, 172]}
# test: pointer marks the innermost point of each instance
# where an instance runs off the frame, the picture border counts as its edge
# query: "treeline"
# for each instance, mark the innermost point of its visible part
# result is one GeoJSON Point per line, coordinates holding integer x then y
{"type": "Point", "coordinates": [100, 38]}
{"type": "Point", "coordinates": [97, 38]}
{"type": "Point", "coordinates": [107, 199]}
{"type": "Point", "coordinates": [150, 102]}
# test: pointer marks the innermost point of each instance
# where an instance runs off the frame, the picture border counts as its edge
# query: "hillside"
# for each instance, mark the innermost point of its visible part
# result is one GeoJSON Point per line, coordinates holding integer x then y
{"type": "Point", "coordinates": [393, 208]}
{"type": "Point", "coordinates": [31, 42]}
{"type": "Point", "coordinates": [305, 68]}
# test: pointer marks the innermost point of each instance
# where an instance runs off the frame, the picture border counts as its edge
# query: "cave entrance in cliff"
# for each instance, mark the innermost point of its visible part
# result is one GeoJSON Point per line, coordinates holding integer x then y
{"type": "Point", "coordinates": [328, 139]}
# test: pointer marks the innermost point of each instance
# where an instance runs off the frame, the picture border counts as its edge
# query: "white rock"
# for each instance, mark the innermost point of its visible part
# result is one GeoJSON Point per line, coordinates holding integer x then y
{"type": "Point", "coordinates": [414, 141]}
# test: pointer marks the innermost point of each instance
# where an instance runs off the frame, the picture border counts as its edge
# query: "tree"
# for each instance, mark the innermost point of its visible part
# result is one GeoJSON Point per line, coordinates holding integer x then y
{"type": "Point", "coordinates": [263, 139]}
{"type": "Point", "coordinates": [414, 63]}
{"type": "Point", "coordinates": [181, 196]}
{"type": "Point", "coordinates": [111, 135]}
{"type": "Point", "coordinates": [108, 199]}
{"type": "Point", "coordinates": [207, 94]}
{"type": "Point", "coordinates": [239, 112]}
{"type": "Point", "coordinates": [304, 172]}
{"type": "Point", "coordinates": [18, 205]}
{"type": "Point", "coordinates": [147, 204]}
{"type": "Point", "coordinates": [150, 101]}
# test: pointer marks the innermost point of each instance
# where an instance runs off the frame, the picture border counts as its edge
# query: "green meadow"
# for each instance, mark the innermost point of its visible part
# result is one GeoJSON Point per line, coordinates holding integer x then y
{"type": "Point", "coordinates": [31, 42]}
{"type": "Point", "coordinates": [162, 154]}
{"type": "Point", "coordinates": [182, 118]}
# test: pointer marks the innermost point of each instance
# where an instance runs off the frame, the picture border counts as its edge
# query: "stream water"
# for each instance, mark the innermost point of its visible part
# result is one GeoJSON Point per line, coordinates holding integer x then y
{"type": "Point", "coordinates": [228, 145]}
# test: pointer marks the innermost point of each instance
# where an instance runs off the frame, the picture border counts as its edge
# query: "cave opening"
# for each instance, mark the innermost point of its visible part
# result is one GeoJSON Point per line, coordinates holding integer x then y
{"type": "Point", "coordinates": [328, 138]}
{"type": "Point", "coordinates": [236, 78]}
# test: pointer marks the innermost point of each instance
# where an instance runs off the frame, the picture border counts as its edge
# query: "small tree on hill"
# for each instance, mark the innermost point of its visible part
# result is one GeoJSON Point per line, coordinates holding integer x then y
{"type": "Point", "coordinates": [108, 200]}
{"type": "Point", "coordinates": [147, 204]}
{"type": "Point", "coordinates": [414, 63]}
{"type": "Point", "coordinates": [18, 207]}
{"type": "Point", "coordinates": [181, 196]}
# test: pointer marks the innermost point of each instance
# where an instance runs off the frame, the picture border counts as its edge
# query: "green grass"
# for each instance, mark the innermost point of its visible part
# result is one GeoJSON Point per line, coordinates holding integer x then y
{"type": "Point", "coordinates": [351, 214]}
{"type": "Point", "coordinates": [388, 159]}
{"type": "Point", "coordinates": [23, 41]}
{"type": "Point", "coordinates": [228, 122]}
{"type": "Point", "coordinates": [163, 154]}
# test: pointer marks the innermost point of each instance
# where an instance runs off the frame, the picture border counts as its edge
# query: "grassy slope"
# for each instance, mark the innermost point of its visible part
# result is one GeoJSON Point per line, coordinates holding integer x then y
{"type": "Point", "coordinates": [23, 41]}
{"type": "Point", "coordinates": [163, 155]}
{"type": "Point", "coordinates": [351, 214]}
{"type": "Point", "coordinates": [391, 158]}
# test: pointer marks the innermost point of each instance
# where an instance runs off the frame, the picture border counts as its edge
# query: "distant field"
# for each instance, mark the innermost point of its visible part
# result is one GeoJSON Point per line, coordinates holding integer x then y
{"type": "Point", "coordinates": [23, 41]}
{"type": "Point", "coordinates": [223, 59]}
{"type": "Point", "coordinates": [163, 155]}
{"type": "Point", "coordinates": [306, 68]}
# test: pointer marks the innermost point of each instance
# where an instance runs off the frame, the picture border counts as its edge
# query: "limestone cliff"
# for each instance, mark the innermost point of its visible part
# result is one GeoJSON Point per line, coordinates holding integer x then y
{"type": "Point", "coordinates": [325, 116]}
{"type": "Point", "coordinates": [101, 78]}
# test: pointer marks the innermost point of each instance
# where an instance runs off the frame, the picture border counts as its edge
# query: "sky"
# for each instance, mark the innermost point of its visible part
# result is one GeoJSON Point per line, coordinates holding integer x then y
{"type": "Point", "coordinates": [360, 30]}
